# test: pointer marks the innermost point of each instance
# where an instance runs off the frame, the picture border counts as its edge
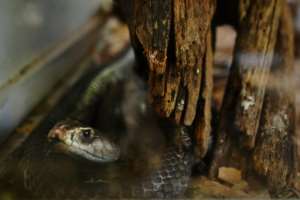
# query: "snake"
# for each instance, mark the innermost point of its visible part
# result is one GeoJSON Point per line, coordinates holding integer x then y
{"type": "Point", "coordinates": [123, 152]}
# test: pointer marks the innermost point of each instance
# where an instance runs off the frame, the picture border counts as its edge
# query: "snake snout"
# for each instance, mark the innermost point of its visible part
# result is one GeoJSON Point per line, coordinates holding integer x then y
{"type": "Point", "coordinates": [57, 132]}
{"type": "Point", "coordinates": [108, 150]}
{"type": "Point", "coordinates": [113, 151]}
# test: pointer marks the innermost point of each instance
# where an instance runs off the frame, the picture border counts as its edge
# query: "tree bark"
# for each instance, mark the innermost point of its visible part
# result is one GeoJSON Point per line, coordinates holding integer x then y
{"type": "Point", "coordinates": [192, 21]}
{"type": "Point", "coordinates": [174, 40]}
{"type": "Point", "coordinates": [173, 43]}
{"type": "Point", "coordinates": [274, 155]}
{"type": "Point", "coordinates": [202, 123]}
{"type": "Point", "coordinates": [244, 95]}
{"type": "Point", "coordinates": [252, 62]}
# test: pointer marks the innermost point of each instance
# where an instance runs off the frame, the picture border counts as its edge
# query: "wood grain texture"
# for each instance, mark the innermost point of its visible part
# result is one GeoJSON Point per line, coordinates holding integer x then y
{"type": "Point", "coordinates": [274, 154]}
{"type": "Point", "coordinates": [242, 104]}
{"type": "Point", "coordinates": [171, 36]}
{"type": "Point", "coordinates": [252, 62]}
{"type": "Point", "coordinates": [192, 20]}
{"type": "Point", "coordinates": [203, 118]}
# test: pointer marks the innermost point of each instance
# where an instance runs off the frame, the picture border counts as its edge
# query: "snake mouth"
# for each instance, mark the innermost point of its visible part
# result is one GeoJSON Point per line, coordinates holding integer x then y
{"type": "Point", "coordinates": [99, 156]}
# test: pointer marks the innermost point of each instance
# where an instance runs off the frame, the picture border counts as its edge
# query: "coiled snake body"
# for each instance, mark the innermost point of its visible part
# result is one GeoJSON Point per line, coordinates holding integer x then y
{"type": "Point", "coordinates": [77, 161]}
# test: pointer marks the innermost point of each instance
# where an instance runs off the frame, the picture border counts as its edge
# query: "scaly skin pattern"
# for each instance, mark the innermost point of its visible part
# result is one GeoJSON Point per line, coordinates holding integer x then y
{"type": "Point", "coordinates": [168, 181]}
{"type": "Point", "coordinates": [52, 165]}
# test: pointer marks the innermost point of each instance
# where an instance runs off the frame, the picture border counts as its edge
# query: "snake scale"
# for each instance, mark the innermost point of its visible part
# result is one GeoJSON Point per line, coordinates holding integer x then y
{"type": "Point", "coordinates": [78, 170]}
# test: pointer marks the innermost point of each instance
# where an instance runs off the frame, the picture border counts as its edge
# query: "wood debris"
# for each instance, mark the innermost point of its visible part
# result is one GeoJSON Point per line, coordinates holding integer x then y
{"type": "Point", "coordinates": [230, 175]}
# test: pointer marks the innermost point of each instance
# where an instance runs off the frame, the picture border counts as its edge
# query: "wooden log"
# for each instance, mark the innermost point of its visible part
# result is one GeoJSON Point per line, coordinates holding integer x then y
{"type": "Point", "coordinates": [252, 62]}
{"type": "Point", "coordinates": [152, 24]}
{"type": "Point", "coordinates": [192, 21]}
{"type": "Point", "coordinates": [172, 41]}
{"type": "Point", "coordinates": [149, 24]}
{"type": "Point", "coordinates": [203, 118]}
{"type": "Point", "coordinates": [244, 94]}
{"type": "Point", "coordinates": [295, 8]}
{"type": "Point", "coordinates": [162, 44]}
{"type": "Point", "coordinates": [274, 154]}
{"type": "Point", "coordinates": [149, 27]}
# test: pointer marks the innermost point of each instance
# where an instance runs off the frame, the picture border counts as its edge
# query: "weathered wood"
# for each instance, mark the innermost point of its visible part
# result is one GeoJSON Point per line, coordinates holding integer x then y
{"type": "Point", "coordinates": [149, 24]}
{"type": "Point", "coordinates": [171, 93]}
{"type": "Point", "coordinates": [175, 40]}
{"type": "Point", "coordinates": [294, 6]}
{"type": "Point", "coordinates": [243, 99]}
{"type": "Point", "coordinates": [152, 28]}
{"type": "Point", "coordinates": [192, 21]}
{"type": "Point", "coordinates": [203, 118]}
{"type": "Point", "coordinates": [274, 154]}
{"type": "Point", "coordinates": [175, 52]}
{"type": "Point", "coordinates": [174, 37]}
{"type": "Point", "coordinates": [252, 62]}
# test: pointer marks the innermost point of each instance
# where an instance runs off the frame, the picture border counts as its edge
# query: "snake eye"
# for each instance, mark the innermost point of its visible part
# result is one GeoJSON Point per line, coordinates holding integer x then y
{"type": "Point", "coordinates": [87, 133]}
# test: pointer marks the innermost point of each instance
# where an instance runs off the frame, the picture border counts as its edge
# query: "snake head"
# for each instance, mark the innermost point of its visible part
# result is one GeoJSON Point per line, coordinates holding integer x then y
{"type": "Point", "coordinates": [86, 142]}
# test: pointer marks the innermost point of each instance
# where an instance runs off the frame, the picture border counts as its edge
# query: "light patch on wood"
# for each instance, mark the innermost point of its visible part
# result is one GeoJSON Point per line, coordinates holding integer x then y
{"type": "Point", "coordinates": [248, 102]}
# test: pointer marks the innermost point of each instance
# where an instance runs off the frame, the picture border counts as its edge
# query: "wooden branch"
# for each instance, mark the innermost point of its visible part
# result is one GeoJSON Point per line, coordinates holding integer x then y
{"type": "Point", "coordinates": [274, 154]}
{"type": "Point", "coordinates": [246, 84]}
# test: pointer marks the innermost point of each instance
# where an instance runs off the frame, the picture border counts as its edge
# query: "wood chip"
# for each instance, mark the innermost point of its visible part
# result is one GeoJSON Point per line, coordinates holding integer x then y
{"type": "Point", "coordinates": [230, 175]}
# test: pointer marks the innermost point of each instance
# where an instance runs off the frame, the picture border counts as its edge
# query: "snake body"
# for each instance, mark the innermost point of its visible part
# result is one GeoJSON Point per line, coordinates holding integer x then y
{"type": "Point", "coordinates": [46, 172]}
